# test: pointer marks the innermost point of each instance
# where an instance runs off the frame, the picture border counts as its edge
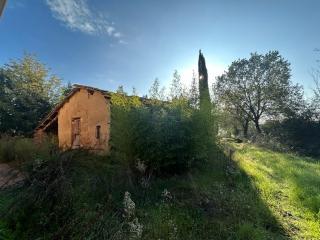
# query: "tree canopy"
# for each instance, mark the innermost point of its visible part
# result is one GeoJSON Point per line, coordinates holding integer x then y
{"type": "Point", "coordinates": [27, 92]}
{"type": "Point", "coordinates": [258, 87]}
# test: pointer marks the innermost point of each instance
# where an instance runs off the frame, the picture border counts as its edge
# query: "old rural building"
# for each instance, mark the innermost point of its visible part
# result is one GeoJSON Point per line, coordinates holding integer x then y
{"type": "Point", "coordinates": [81, 120]}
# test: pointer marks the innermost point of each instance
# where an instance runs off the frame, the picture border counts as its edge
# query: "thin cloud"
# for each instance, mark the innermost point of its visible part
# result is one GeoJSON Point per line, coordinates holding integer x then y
{"type": "Point", "coordinates": [77, 16]}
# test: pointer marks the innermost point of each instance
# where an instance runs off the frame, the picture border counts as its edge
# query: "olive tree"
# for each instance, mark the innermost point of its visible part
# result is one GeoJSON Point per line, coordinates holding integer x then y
{"type": "Point", "coordinates": [257, 88]}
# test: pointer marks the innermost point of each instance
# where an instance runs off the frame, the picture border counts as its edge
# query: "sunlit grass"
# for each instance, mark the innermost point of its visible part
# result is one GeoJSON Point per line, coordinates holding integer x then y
{"type": "Point", "coordinates": [289, 185]}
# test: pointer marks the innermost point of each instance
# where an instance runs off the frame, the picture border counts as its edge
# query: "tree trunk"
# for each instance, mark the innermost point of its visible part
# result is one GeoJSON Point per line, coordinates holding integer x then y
{"type": "Point", "coordinates": [256, 122]}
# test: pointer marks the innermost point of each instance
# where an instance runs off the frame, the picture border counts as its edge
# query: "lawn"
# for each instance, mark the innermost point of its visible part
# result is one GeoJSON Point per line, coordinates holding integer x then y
{"type": "Point", "coordinates": [259, 194]}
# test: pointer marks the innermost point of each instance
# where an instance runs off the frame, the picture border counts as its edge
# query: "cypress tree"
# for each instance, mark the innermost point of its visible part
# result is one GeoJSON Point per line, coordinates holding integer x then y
{"type": "Point", "coordinates": [203, 83]}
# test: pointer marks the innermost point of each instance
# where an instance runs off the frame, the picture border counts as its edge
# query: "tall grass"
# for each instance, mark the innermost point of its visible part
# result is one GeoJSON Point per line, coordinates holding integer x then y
{"type": "Point", "coordinates": [20, 149]}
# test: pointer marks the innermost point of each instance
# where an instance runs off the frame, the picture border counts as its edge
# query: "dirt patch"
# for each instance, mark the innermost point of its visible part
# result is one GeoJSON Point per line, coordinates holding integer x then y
{"type": "Point", "coordinates": [9, 176]}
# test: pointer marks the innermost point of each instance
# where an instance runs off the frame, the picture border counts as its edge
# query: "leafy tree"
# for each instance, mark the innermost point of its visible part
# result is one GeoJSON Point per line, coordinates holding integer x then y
{"type": "Point", "coordinates": [6, 105]}
{"type": "Point", "coordinates": [66, 90]}
{"type": "Point", "coordinates": [317, 92]}
{"type": "Point", "coordinates": [120, 90]}
{"type": "Point", "coordinates": [29, 74]}
{"type": "Point", "coordinates": [258, 87]}
{"type": "Point", "coordinates": [157, 93]}
{"type": "Point", "coordinates": [28, 92]}
{"type": "Point", "coordinates": [134, 92]}
{"type": "Point", "coordinates": [242, 118]}
{"type": "Point", "coordinates": [316, 97]}
{"type": "Point", "coordinates": [176, 88]}
{"type": "Point", "coordinates": [194, 92]}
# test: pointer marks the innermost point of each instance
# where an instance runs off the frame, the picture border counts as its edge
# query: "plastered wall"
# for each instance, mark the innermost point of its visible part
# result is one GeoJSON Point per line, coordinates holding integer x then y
{"type": "Point", "coordinates": [93, 110]}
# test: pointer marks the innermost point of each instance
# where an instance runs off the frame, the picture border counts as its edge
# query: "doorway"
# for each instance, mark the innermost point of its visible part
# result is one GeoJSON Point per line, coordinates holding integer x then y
{"type": "Point", "coordinates": [76, 133]}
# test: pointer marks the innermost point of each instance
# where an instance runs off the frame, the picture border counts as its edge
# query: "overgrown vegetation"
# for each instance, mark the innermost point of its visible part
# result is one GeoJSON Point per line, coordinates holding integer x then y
{"type": "Point", "coordinates": [168, 175]}
{"type": "Point", "coordinates": [19, 150]}
{"type": "Point", "coordinates": [78, 195]}
{"type": "Point", "coordinates": [165, 137]}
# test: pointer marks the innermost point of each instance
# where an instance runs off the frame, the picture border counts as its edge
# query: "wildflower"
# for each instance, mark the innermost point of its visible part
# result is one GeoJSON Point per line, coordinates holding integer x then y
{"type": "Point", "coordinates": [166, 195]}
{"type": "Point", "coordinates": [129, 205]}
{"type": "Point", "coordinates": [173, 234]}
{"type": "Point", "coordinates": [141, 166]}
{"type": "Point", "coordinates": [135, 228]}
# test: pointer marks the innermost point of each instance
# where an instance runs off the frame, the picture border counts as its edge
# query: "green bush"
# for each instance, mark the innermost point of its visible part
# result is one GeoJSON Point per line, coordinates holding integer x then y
{"type": "Point", "coordinates": [298, 134]}
{"type": "Point", "coordinates": [168, 137]}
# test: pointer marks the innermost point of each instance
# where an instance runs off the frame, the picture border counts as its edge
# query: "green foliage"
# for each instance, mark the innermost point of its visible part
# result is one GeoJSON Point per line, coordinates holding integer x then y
{"type": "Point", "coordinates": [258, 87]}
{"type": "Point", "coordinates": [66, 195]}
{"type": "Point", "coordinates": [16, 149]}
{"type": "Point", "coordinates": [297, 133]}
{"type": "Point", "coordinates": [166, 136]}
{"type": "Point", "coordinates": [204, 95]}
{"type": "Point", "coordinates": [27, 92]}
{"type": "Point", "coordinates": [176, 89]}
{"type": "Point", "coordinates": [29, 74]}
{"type": "Point", "coordinates": [315, 102]}
{"type": "Point", "coordinates": [155, 92]}
{"type": "Point", "coordinates": [20, 150]}
{"type": "Point", "coordinates": [66, 90]}
{"type": "Point", "coordinates": [163, 138]}
{"type": "Point", "coordinates": [194, 92]}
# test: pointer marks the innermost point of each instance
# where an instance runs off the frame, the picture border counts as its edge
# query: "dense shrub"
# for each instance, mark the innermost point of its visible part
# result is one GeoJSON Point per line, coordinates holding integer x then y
{"type": "Point", "coordinates": [66, 195]}
{"type": "Point", "coordinates": [168, 137]}
{"type": "Point", "coordinates": [297, 134]}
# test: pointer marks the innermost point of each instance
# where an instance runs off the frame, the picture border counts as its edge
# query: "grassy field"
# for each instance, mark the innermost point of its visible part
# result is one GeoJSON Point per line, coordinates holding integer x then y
{"type": "Point", "coordinates": [289, 185]}
{"type": "Point", "coordinates": [259, 195]}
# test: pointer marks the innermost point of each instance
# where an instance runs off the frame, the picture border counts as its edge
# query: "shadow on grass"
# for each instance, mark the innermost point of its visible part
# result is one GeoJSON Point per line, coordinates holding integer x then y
{"type": "Point", "coordinates": [216, 201]}
{"type": "Point", "coordinates": [300, 174]}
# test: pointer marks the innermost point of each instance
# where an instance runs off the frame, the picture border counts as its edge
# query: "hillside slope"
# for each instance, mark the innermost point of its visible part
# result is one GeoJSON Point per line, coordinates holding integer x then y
{"type": "Point", "coordinates": [289, 185]}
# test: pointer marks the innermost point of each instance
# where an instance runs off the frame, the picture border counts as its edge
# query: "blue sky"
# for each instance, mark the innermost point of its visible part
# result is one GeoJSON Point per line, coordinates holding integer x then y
{"type": "Point", "coordinates": [116, 42]}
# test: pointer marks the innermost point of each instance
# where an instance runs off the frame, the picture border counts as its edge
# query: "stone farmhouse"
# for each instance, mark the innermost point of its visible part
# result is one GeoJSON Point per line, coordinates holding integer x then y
{"type": "Point", "coordinates": [81, 120]}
